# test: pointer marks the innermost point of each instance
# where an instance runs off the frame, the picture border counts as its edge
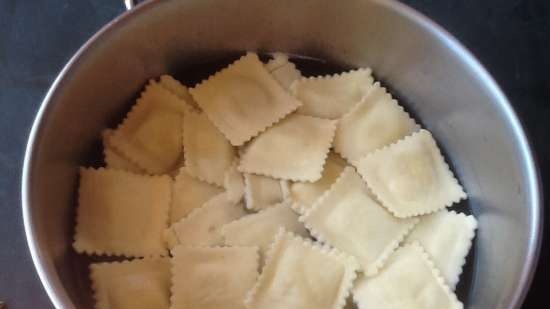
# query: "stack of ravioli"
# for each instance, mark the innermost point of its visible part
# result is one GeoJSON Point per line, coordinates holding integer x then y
{"type": "Point", "coordinates": [262, 189]}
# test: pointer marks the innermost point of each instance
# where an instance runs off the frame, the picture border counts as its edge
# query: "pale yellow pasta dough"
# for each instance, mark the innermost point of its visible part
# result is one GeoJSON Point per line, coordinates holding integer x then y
{"type": "Point", "coordinates": [304, 194]}
{"type": "Point", "coordinates": [411, 177]}
{"type": "Point", "coordinates": [212, 277]}
{"type": "Point", "coordinates": [347, 218]}
{"type": "Point", "coordinates": [120, 213]}
{"type": "Point", "coordinates": [202, 226]}
{"type": "Point", "coordinates": [277, 61]}
{"type": "Point", "coordinates": [136, 284]}
{"type": "Point", "coordinates": [261, 191]}
{"type": "Point", "coordinates": [260, 228]}
{"type": "Point", "coordinates": [208, 155]}
{"type": "Point", "coordinates": [376, 121]}
{"type": "Point", "coordinates": [234, 183]}
{"type": "Point", "coordinates": [151, 134]}
{"type": "Point", "coordinates": [283, 70]}
{"type": "Point", "coordinates": [243, 99]}
{"type": "Point", "coordinates": [332, 96]}
{"type": "Point", "coordinates": [447, 237]}
{"type": "Point", "coordinates": [189, 193]}
{"type": "Point", "coordinates": [175, 87]}
{"type": "Point", "coordinates": [408, 280]}
{"type": "Point", "coordinates": [293, 149]}
{"type": "Point", "coordinates": [115, 160]}
{"type": "Point", "coordinates": [300, 274]}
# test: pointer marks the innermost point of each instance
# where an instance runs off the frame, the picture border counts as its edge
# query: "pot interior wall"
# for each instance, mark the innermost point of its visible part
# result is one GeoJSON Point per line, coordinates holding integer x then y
{"type": "Point", "coordinates": [429, 76]}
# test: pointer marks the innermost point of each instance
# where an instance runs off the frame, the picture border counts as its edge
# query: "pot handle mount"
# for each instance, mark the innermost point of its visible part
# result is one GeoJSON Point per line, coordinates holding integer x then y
{"type": "Point", "coordinates": [129, 4]}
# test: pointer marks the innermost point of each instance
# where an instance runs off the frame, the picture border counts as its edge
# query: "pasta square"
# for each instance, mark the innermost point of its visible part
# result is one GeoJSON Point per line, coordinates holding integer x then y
{"type": "Point", "coordinates": [304, 194]}
{"type": "Point", "coordinates": [208, 155]}
{"type": "Point", "coordinates": [188, 194]}
{"type": "Point", "coordinates": [449, 246]}
{"type": "Point", "coordinates": [300, 274]}
{"type": "Point", "coordinates": [234, 183]}
{"type": "Point", "coordinates": [243, 99]}
{"type": "Point", "coordinates": [212, 277]}
{"type": "Point", "coordinates": [409, 280]}
{"type": "Point", "coordinates": [120, 213]}
{"type": "Point", "coordinates": [332, 96]}
{"type": "Point", "coordinates": [179, 90]}
{"type": "Point", "coordinates": [113, 159]}
{"type": "Point", "coordinates": [203, 225]}
{"type": "Point", "coordinates": [305, 142]}
{"type": "Point", "coordinates": [377, 121]}
{"type": "Point", "coordinates": [411, 177]}
{"type": "Point", "coordinates": [347, 218]}
{"type": "Point", "coordinates": [278, 60]}
{"type": "Point", "coordinates": [283, 70]}
{"type": "Point", "coordinates": [151, 134]}
{"type": "Point", "coordinates": [260, 228]}
{"type": "Point", "coordinates": [262, 192]}
{"type": "Point", "coordinates": [136, 284]}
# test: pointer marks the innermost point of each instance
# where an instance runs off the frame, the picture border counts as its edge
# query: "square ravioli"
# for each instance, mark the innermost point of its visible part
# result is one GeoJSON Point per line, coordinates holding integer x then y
{"type": "Point", "coordinates": [175, 87]}
{"type": "Point", "coordinates": [447, 237]}
{"type": "Point", "coordinates": [120, 213]}
{"type": "Point", "coordinates": [114, 159]}
{"type": "Point", "coordinates": [212, 277]}
{"type": "Point", "coordinates": [188, 194]}
{"type": "Point", "coordinates": [151, 133]}
{"type": "Point", "coordinates": [208, 155]}
{"type": "Point", "coordinates": [260, 228]}
{"type": "Point", "coordinates": [233, 183]}
{"type": "Point", "coordinates": [284, 71]}
{"type": "Point", "coordinates": [411, 177]}
{"type": "Point", "coordinates": [203, 225]}
{"type": "Point", "coordinates": [347, 218]}
{"type": "Point", "coordinates": [377, 121]}
{"type": "Point", "coordinates": [301, 274]}
{"type": "Point", "coordinates": [409, 280]}
{"type": "Point", "coordinates": [293, 149]}
{"type": "Point", "coordinates": [136, 284]}
{"type": "Point", "coordinates": [304, 194]}
{"type": "Point", "coordinates": [332, 96]}
{"type": "Point", "coordinates": [261, 192]}
{"type": "Point", "coordinates": [243, 99]}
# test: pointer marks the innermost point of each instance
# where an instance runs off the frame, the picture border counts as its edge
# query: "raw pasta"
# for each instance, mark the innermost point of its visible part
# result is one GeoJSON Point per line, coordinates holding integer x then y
{"type": "Point", "coordinates": [409, 280]}
{"type": "Point", "coordinates": [262, 192]}
{"type": "Point", "coordinates": [120, 213]}
{"type": "Point", "coordinates": [188, 194]}
{"type": "Point", "coordinates": [332, 96]}
{"type": "Point", "coordinates": [375, 122]}
{"type": "Point", "coordinates": [299, 161]}
{"type": "Point", "coordinates": [252, 171]}
{"type": "Point", "coordinates": [212, 277]}
{"type": "Point", "coordinates": [259, 229]}
{"type": "Point", "coordinates": [136, 284]}
{"type": "Point", "coordinates": [347, 218]}
{"type": "Point", "coordinates": [411, 177]}
{"type": "Point", "coordinates": [304, 194]}
{"type": "Point", "coordinates": [288, 281]}
{"type": "Point", "coordinates": [208, 155]}
{"type": "Point", "coordinates": [448, 246]}
{"type": "Point", "coordinates": [113, 159]}
{"type": "Point", "coordinates": [243, 99]}
{"type": "Point", "coordinates": [151, 134]}
{"type": "Point", "coordinates": [202, 226]}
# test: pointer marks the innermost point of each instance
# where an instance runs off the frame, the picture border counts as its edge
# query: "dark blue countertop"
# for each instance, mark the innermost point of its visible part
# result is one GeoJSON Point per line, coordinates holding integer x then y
{"type": "Point", "coordinates": [510, 37]}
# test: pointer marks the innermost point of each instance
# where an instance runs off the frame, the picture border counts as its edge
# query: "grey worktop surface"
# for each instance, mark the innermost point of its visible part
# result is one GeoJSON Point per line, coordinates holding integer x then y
{"type": "Point", "coordinates": [510, 37]}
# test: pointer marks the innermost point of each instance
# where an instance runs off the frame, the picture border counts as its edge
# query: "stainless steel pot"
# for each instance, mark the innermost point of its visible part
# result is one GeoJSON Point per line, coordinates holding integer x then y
{"type": "Point", "coordinates": [439, 81]}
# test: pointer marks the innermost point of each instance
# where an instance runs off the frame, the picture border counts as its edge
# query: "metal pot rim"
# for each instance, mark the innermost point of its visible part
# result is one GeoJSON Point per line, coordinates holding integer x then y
{"type": "Point", "coordinates": [51, 281]}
